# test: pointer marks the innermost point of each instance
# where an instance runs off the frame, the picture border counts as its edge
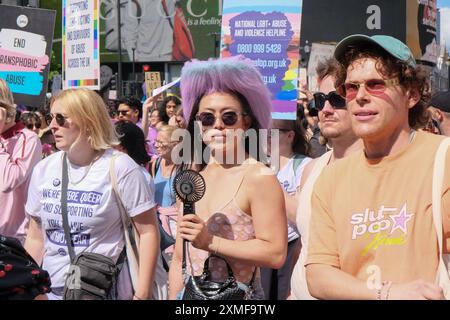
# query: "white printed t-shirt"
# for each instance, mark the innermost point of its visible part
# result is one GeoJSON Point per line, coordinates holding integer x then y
{"type": "Point", "coordinates": [94, 217]}
{"type": "Point", "coordinates": [290, 181]}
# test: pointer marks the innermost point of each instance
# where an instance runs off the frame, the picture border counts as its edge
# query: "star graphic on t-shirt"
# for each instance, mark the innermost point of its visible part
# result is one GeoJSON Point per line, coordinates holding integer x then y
{"type": "Point", "coordinates": [400, 220]}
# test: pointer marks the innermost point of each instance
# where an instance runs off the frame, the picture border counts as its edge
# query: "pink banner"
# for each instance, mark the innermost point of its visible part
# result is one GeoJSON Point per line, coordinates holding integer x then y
{"type": "Point", "coordinates": [13, 61]}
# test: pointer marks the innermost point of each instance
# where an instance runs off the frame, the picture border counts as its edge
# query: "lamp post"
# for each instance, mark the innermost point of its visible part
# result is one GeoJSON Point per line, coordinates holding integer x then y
{"type": "Point", "coordinates": [119, 39]}
{"type": "Point", "coordinates": [216, 36]}
{"type": "Point", "coordinates": [134, 73]}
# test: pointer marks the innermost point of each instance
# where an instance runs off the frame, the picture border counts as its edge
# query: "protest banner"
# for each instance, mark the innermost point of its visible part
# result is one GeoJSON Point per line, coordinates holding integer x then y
{"type": "Point", "coordinates": [81, 63]}
{"type": "Point", "coordinates": [157, 91]}
{"type": "Point", "coordinates": [152, 82]}
{"type": "Point", "coordinates": [26, 37]}
{"type": "Point", "coordinates": [267, 32]}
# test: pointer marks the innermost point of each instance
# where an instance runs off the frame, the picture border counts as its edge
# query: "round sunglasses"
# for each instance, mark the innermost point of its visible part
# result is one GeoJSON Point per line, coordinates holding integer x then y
{"type": "Point", "coordinates": [336, 100]}
{"type": "Point", "coordinates": [31, 126]}
{"type": "Point", "coordinates": [60, 119]}
{"type": "Point", "coordinates": [228, 118]}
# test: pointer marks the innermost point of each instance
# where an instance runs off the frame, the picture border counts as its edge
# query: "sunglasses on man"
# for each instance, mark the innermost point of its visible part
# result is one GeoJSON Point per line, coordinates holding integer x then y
{"type": "Point", "coordinates": [336, 100]}
{"type": "Point", "coordinates": [375, 87]}
{"type": "Point", "coordinates": [228, 118]}
{"type": "Point", "coordinates": [123, 112]}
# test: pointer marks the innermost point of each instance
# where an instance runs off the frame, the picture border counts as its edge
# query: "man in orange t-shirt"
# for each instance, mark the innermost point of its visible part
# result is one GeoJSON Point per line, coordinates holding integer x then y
{"type": "Point", "coordinates": [372, 234]}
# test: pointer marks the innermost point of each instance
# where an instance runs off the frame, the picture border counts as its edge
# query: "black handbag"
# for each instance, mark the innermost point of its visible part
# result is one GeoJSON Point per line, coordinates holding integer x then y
{"type": "Point", "coordinates": [201, 288]}
{"type": "Point", "coordinates": [21, 278]}
{"type": "Point", "coordinates": [91, 276]}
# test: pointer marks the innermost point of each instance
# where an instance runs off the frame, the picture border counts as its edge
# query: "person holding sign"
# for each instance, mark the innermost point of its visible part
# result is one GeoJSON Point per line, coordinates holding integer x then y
{"type": "Point", "coordinates": [20, 150]}
{"type": "Point", "coordinates": [241, 218]}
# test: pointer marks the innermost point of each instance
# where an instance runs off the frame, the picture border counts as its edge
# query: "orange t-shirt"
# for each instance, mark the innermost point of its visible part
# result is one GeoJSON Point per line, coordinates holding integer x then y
{"type": "Point", "coordinates": [366, 214]}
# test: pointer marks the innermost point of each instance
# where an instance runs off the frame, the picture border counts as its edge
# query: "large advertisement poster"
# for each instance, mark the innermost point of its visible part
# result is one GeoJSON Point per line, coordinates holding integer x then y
{"type": "Point", "coordinates": [267, 32]}
{"type": "Point", "coordinates": [80, 26]}
{"type": "Point", "coordinates": [161, 30]}
{"type": "Point", "coordinates": [26, 36]}
{"type": "Point", "coordinates": [329, 21]}
{"type": "Point", "coordinates": [421, 30]}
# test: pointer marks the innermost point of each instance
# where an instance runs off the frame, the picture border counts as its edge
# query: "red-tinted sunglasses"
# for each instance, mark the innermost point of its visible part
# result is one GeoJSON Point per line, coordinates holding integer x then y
{"type": "Point", "coordinates": [349, 90]}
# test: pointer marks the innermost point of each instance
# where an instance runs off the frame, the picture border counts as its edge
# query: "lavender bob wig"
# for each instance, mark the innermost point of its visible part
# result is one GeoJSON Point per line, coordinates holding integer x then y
{"type": "Point", "coordinates": [226, 75]}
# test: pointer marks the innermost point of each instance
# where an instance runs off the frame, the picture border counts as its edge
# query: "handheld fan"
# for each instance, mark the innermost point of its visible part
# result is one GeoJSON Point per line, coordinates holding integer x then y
{"type": "Point", "coordinates": [190, 187]}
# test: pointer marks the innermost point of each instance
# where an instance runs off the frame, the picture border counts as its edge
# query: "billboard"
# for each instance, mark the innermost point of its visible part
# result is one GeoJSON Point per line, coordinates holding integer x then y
{"type": "Point", "coordinates": [26, 36]}
{"type": "Point", "coordinates": [421, 31]}
{"type": "Point", "coordinates": [80, 45]}
{"type": "Point", "coordinates": [330, 20]}
{"type": "Point", "coordinates": [267, 32]}
{"type": "Point", "coordinates": [157, 30]}
{"type": "Point", "coordinates": [411, 21]}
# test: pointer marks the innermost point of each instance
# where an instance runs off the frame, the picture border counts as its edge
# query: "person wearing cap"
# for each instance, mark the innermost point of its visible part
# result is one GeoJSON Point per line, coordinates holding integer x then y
{"type": "Point", "coordinates": [335, 126]}
{"type": "Point", "coordinates": [20, 150]}
{"type": "Point", "coordinates": [372, 234]}
{"type": "Point", "coordinates": [439, 108]}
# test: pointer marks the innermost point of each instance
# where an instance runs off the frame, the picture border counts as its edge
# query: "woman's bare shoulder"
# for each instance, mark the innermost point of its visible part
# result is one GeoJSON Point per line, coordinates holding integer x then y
{"type": "Point", "coordinates": [259, 173]}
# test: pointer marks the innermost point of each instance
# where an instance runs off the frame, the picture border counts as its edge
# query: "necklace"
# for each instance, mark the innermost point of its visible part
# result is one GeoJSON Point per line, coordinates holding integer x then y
{"type": "Point", "coordinates": [85, 172]}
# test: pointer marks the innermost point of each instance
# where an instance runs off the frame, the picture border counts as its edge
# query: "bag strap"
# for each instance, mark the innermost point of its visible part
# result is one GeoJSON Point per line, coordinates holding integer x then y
{"type": "Point", "coordinates": [65, 218]}
{"type": "Point", "coordinates": [132, 256]}
{"type": "Point", "coordinates": [155, 167]}
{"type": "Point", "coordinates": [206, 267]}
{"type": "Point", "coordinates": [438, 180]}
{"type": "Point", "coordinates": [230, 271]}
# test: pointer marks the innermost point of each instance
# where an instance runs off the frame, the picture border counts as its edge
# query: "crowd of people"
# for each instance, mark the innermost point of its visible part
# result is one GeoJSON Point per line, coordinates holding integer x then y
{"type": "Point", "coordinates": [341, 203]}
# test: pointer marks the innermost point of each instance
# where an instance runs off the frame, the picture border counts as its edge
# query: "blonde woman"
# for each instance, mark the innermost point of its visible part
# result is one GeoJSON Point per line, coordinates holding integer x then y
{"type": "Point", "coordinates": [162, 170]}
{"type": "Point", "coordinates": [84, 134]}
{"type": "Point", "coordinates": [20, 150]}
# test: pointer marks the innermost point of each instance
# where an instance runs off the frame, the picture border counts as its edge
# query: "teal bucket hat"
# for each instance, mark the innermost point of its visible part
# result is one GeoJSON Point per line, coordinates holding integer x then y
{"type": "Point", "coordinates": [391, 45]}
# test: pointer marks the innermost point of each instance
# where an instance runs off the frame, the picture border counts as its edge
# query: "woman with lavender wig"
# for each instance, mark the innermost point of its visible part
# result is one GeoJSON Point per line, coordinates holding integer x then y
{"type": "Point", "coordinates": [241, 218]}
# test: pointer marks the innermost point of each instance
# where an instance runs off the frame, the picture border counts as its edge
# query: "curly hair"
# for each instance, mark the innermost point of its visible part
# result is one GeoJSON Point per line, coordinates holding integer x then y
{"type": "Point", "coordinates": [390, 67]}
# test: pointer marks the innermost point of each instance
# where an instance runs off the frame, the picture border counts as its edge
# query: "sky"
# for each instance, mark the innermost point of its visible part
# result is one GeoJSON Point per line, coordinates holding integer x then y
{"type": "Point", "coordinates": [444, 5]}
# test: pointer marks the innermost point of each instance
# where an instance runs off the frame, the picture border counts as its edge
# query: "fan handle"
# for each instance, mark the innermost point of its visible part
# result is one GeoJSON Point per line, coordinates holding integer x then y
{"type": "Point", "coordinates": [188, 208]}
